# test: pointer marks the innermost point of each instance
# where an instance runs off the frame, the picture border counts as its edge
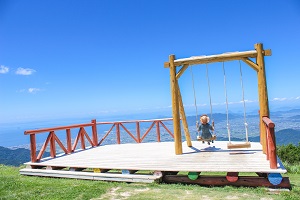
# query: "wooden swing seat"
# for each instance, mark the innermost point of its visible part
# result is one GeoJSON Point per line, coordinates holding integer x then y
{"type": "Point", "coordinates": [213, 138]}
{"type": "Point", "coordinates": [239, 145]}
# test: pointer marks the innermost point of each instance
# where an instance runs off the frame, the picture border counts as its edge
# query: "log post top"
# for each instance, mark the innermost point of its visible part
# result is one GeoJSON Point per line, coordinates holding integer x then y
{"type": "Point", "coordinates": [194, 60]}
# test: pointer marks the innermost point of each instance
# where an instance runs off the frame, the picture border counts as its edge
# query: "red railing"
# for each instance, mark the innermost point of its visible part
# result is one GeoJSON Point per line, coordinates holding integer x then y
{"type": "Point", "coordinates": [271, 142]}
{"type": "Point", "coordinates": [138, 137]}
{"type": "Point", "coordinates": [84, 137]}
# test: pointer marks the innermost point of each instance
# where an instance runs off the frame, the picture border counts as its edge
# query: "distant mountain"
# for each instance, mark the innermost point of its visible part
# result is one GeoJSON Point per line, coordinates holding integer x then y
{"type": "Point", "coordinates": [294, 118]}
{"type": "Point", "coordinates": [216, 117]}
{"type": "Point", "coordinates": [15, 157]}
{"type": "Point", "coordinates": [292, 111]}
{"type": "Point", "coordinates": [287, 136]}
{"type": "Point", "coordinates": [283, 112]}
{"type": "Point", "coordinates": [283, 137]}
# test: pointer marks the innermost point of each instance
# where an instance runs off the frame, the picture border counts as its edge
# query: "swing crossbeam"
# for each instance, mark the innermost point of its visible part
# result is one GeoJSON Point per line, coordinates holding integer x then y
{"type": "Point", "coordinates": [195, 60]}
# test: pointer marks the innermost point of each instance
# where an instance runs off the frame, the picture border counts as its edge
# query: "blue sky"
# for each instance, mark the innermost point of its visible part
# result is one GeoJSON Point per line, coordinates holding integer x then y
{"type": "Point", "coordinates": [96, 58]}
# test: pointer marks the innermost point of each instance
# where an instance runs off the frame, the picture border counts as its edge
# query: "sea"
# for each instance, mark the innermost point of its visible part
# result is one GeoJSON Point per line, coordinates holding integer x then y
{"type": "Point", "coordinates": [12, 133]}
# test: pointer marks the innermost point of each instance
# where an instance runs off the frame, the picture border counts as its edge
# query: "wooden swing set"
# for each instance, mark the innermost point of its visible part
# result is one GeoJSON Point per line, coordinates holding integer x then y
{"type": "Point", "coordinates": [96, 161]}
{"type": "Point", "coordinates": [177, 105]}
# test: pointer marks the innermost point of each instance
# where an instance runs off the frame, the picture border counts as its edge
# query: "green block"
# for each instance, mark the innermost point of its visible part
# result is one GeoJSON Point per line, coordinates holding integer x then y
{"type": "Point", "coordinates": [193, 175]}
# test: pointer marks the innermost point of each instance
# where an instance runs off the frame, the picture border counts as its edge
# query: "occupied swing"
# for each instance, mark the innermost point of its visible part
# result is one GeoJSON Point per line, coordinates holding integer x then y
{"type": "Point", "coordinates": [204, 119]}
{"type": "Point", "coordinates": [204, 125]}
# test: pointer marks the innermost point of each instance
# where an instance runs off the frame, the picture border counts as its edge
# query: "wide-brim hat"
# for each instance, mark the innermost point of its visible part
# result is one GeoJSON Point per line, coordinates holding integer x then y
{"type": "Point", "coordinates": [204, 117]}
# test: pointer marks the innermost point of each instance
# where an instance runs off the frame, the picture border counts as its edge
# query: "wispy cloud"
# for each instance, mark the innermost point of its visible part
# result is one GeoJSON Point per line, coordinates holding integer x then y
{"type": "Point", "coordinates": [279, 99]}
{"type": "Point", "coordinates": [249, 101]}
{"type": "Point", "coordinates": [286, 99]}
{"type": "Point", "coordinates": [30, 90]}
{"type": "Point", "coordinates": [33, 90]}
{"type": "Point", "coordinates": [4, 69]}
{"type": "Point", "coordinates": [25, 71]}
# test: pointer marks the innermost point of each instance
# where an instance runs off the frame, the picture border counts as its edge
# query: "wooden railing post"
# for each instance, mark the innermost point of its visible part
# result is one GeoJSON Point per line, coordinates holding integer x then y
{"type": "Point", "coordinates": [82, 140]}
{"type": "Point", "coordinates": [118, 133]}
{"type": "Point", "coordinates": [270, 142]}
{"type": "Point", "coordinates": [272, 146]}
{"type": "Point", "coordinates": [95, 134]}
{"type": "Point", "coordinates": [69, 143]}
{"type": "Point", "coordinates": [157, 131]}
{"type": "Point", "coordinates": [138, 132]}
{"type": "Point", "coordinates": [33, 148]}
{"type": "Point", "coordinates": [52, 145]}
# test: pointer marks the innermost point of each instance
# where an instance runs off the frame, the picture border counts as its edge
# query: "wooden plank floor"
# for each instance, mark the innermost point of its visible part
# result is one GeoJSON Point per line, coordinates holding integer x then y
{"type": "Point", "coordinates": [161, 157]}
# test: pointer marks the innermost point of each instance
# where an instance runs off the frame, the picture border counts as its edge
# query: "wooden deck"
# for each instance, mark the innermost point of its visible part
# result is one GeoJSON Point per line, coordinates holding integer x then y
{"type": "Point", "coordinates": [161, 157]}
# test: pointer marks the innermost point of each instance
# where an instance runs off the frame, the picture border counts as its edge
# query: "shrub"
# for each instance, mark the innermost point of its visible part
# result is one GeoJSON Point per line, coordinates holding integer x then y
{"type": "Point", "coordinates": [289, 153]}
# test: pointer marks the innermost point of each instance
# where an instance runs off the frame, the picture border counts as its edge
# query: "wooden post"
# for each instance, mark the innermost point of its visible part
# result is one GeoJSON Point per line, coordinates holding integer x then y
{"type": "Point", "coordinates": [69, 144]}
{"type": "Point", "coordinates": [82, 140]}
{"type": "Point", "coordinates": [52, 145]}
{"type": "Point", "coordinates": [95, 135]}
{"type": "Point", "coordinates": [138, 132]}
{"type": "Point", "coordinates": [175, 107]}
{"type": "Point", "coordinates": [183, 118]}
{"type": "Point", "coordinates": [33, 148]}
{"type": "Point", "coordinates": [157, 131]}
{"type": "Point", "coordinates": [118, 133]}
{"type": "Point", "coordinates": [271, 146]}
{"type": "Point", "coordinates": [262, 92]}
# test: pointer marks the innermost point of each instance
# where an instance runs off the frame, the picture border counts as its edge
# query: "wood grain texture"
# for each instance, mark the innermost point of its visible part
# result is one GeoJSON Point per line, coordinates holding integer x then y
{"type": "Point", "coordinates": [159, 156]}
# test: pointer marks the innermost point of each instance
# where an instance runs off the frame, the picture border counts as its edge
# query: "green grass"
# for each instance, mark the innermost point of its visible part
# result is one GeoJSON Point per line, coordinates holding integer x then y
{"type": "Point", "coordinates": [293, 169]}
{"type": "Point", "coordinates": [16, 186]}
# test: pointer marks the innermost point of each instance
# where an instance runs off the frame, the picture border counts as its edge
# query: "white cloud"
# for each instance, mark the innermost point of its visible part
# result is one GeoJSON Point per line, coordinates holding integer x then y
{"type": "Point", "coordinates": [30, 90]}
{"type": "Point", "coordinates": [25, 71]}
{"type": "Point", "coordinates": [286, 99]}
{"type": "Point", "coordinates": [249, 101]}
{"type": "Point", "coordinates": [33, 90]}
{"type": "Point", "coordinates": [279, 99]}
{"type": "Point", "coordinates": [4, 69]}
{"type": "Point", "coordinates": [234, 102]}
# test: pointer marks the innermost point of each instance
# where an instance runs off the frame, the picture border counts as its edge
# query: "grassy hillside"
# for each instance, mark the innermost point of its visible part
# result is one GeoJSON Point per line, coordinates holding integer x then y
{"type": "Point", "coordinates": [15, 186]}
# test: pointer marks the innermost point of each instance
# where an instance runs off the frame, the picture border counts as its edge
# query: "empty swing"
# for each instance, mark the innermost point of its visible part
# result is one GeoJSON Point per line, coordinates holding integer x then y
{"type": "Point", "coordinates": [203, 117]}
{"type": "Point", "coordinates": [230, 145]}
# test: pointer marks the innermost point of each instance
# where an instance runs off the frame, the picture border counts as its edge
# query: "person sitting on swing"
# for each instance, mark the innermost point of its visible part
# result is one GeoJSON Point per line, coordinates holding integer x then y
{"type": "Point", "coordinates": [205, 127]}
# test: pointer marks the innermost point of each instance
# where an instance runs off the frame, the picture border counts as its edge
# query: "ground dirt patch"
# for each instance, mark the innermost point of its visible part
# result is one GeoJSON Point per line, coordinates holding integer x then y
{"type": "Point", "coordinates": [122, 193]}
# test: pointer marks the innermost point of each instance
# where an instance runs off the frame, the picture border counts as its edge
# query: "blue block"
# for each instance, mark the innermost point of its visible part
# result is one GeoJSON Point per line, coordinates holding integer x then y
{"type": "Point", "coordinates": [275, 178]}
{"type": "Point", "coordinates": [125, 171]}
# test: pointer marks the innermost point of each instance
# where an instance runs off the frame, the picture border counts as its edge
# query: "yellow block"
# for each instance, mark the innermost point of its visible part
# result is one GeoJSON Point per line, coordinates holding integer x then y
{"type": "Point", "coordinates": [97, 170]}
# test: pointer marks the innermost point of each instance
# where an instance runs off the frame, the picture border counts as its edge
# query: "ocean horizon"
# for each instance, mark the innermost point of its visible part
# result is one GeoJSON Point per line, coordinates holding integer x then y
{"type": "Point", "coordinates": [12, 133]}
